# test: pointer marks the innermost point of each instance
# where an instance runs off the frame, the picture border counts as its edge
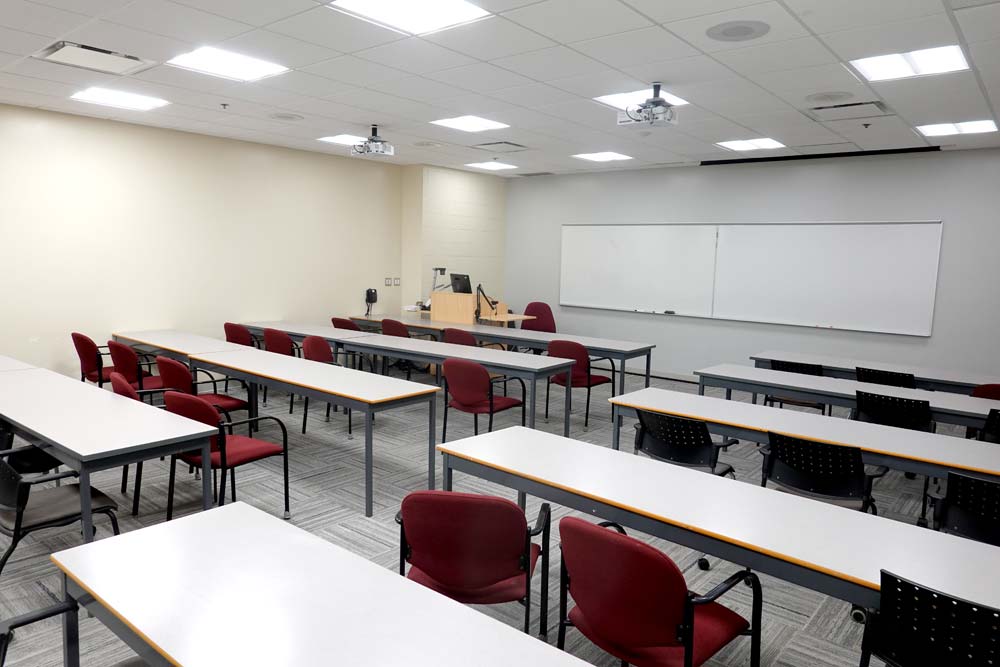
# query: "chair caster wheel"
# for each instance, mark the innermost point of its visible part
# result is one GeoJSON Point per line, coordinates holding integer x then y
{"type": "Point", "coordinates": [859, 614]}
{"type": "Point", "coordinates": [922, 522]}
{"type": "Point", "coordinates": [910, 475]}
{"type": "Point", "coordinates": [704, 565]}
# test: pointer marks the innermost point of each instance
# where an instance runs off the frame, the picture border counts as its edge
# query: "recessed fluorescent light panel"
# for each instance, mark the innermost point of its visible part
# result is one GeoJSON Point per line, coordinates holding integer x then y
{"type": "Point", "coordinates": [491, 166]}
{"type": "Point", "coordinates": [344, 140]}
{"type": "Point", "coordinates": [947, 129]}
{"type": "Point", "coordinates": [226, 64]}
{"type": "Point", "coordinates": [751, 144]}
{"type": "Point", "coordinates": [606, 156]}
{"type": "Point", "coordinates": [119, 99]}
{"type": "Point", "coordinates": [417, 17]}
{"type": "Point", "coordinates": [470, 123]}
{"type": "Point", "coordinates": [624, 100]}
{"type": "Point", "coordinates": [915, 63]}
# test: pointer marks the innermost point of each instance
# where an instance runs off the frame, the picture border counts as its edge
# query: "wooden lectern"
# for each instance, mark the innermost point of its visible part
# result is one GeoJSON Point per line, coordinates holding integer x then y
{"type": "Point", "coordinates": [461, 309]}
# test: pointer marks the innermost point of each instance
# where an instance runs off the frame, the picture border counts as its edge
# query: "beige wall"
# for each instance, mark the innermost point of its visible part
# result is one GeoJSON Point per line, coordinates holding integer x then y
{"type": "Point", "coordinates": [107, 226]}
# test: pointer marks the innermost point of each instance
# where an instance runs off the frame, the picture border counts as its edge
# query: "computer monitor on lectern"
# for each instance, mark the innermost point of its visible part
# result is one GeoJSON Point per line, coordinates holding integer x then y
{"type": "Point", "coordinates": [460, 283]}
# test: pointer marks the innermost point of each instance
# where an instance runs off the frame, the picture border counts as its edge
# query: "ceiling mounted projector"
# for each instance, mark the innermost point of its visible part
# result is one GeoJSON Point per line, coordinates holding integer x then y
{"type": "Point", "coordinates": [654, 112]}
{"type": "Point", "coordinates": [373, 145]}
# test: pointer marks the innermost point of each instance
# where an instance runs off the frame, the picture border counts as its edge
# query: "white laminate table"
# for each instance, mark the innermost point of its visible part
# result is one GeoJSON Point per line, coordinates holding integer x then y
{"type": "Point", "coordinates": [298, 330]}
{"type": "Point", "coordinates": [12, 364]}
{"type": "Point", "coordinates": [946, 407]}
{"type": "Point", "coordinates": [90, 429]}
{"type": "Point", "coordinates": [367, 393]}
{"type": "Point", "coordinates": [833, 550]}
{"type": "Point", "coordinates": [175, 344]}
{"type": "Point", "coordinates": [938, 379]}
{"type": "Point", "coordinates": [236, 586]}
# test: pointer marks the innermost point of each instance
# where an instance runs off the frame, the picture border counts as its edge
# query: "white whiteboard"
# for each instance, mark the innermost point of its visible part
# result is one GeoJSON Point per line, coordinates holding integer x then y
{"type": "Point", "coordinates": [647, 268]}
{"type": "Point", "coordinates": [864, 276]}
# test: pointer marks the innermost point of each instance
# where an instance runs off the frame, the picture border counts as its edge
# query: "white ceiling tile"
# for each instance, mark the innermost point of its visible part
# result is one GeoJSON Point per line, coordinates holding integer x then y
{"type": "Point", "coordinates": [38, 19]}
{"type": "Point", "coordinates": [777, 56]}
{"type": "Point", "coordinates": [75, 76]}
{"type": "Point", "coordinates": [717, 129]}
{"type": "Point", "coordinates": [698, 69]}
{"type": "Point", "coordinates": [674, 10]}
{"type": "Point", "coordinates": [261, 94]}
{"type": "Point", "coordinates": [791, 128]}
{"type": "Point", "coordinates": [823, 16]}
{"type": "Point", "coordinates": [22, 43]}
{"type": "Point", "coordinates": [635, 47]}
{"type": "Point", "coordinates": [986, 58]}
{"type": "Point", "coordinates": [415, 55]}
{"type": "Point", "coordinates": [497, 6]}
{"type": "Point", "coordinates": [475, 104]}
{"type": "Point", "coordinates": [783, 26]}
{"type": "Point", "coordinates": [88, 7]}
{"type": "Point", "coordinates": [279, 49]}
{"type": "Point", "coordinates": [387, 101]}
{"type": "Point", "coordinates": [826, 149]}
{"type": "Point", "coordinates": [172, 20]}
{"type": "Point", "coordinates": [481, 77]}
{"type": "Point", "coordinates": [575, 20]}
{"type": "Point", "coordinates": [532, 95]}
{"type": "Point", "coordinates": [122, 39]}
{"type": "Point", "coordinates": [355, 71]}
{"type": "Point", "coordinates": [304, 83]}
{"type": "Point", "coordinates": [254, 12]}
{"type": "Point", "coordinates": [335, 30]}
{"type": "Point", "coordinates": [182, 78]}
{"type": "Point", "coordinates": [27, 98]}
{"type": "Point", "coordinates": [922, 33]}
{"type": "Point", "coordinates": [547, 64]}
{"type": "Point", "coordinates": [979, 23]}
{"type": "Point", "coordinates": [600, 83]}
{"type": "Point", "coordinates": [33, 85]}
{"type": "Point", "coordinates": [881, 133]}
{"type": "Point", "coordinates": [795, 85]}
{"type": "Point", "coordinates": [936, 99]}
{"type": "Point", "coordinates": [730, 97]}
{"type": "Point", "coordinates": [584, 112]}
{"type": "Point", "coordinates": [7, 58]}
{"type": "Point", "coordinates": [490, 39]}
{"type": "Point", "coordinates": [967, 141]}
{"type": "Point", "coordinates": [420, 88]}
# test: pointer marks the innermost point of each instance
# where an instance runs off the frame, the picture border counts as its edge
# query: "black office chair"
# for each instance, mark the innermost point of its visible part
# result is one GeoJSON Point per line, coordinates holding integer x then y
{"type": "Point", "coordinates": [803, 369]}
{"type": "Point", "coordinates": [887, 378]}
{"type": "Point", "coordinates": [969, 507]}
{"type": "Point", "coordinates": [28, 460]}
{"type": "Point", "coordinates": [834, 474]}
{"type": "Point", "coordinates": [682, 441]}
{"type": "Point", "coordinates": [899, 412]}
{"type": "Point", "coordinates": [991, 430]}
{"type": "Point", "coordinates": [917, 626]}
{"type": "Point", "coordinates": [23, 512]}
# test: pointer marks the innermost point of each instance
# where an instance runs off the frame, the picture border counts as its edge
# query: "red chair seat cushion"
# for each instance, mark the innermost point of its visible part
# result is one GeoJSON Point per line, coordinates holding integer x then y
{"type": "Point", "coordinates": [581, 380]}
{"type": "Point", "coordinates": [714, 627]}
{"type": "Point", "coordinates": [507, 590]}
{"type": "Point", "coordinates": [500, 403]}
{"type": "Point", "coordinates": [225, 402]}
{"type": "Point", "coordinates": [106, 372]}
{"type": "Point", "coordinates": [240, 449]}
{"type": "Point", "coordinates": [149, 382]}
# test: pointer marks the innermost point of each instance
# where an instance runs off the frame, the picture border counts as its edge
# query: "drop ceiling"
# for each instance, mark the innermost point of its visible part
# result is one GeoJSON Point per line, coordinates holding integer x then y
{"type": "Point", "coordinates": [534, 65]}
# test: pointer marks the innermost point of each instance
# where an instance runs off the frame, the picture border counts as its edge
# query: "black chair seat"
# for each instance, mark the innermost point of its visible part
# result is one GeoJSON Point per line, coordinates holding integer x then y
{"type": "Point", "coordinates": [849, 503]}
{"type": "Point", "coordinates": [33, 461]}
{"type": "Point", "coordinates": [53, 506]}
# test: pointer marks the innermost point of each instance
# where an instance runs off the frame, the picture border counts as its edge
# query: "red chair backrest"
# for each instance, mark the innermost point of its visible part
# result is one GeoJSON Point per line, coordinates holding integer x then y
{"type": "Point", "coordinates": [395, 328]}
{"type": "Point", "coordinates": [464, 540]}
{"type": "Point", "coordinates": [122, 387]}
{"type": "Point", "coordinates": [239, 334]}
{"type": "Point", "coordinates": [278, 341]}
{"type": "Point", "coordinates": [316, 348]}
{"type": "Point", "coordinates": [990, 391]}
{"type": "Point", "coordinates": [544, 320]}
{"type": "Point", "coordinates": [630, 593]}
{"type": "Point", "coordinates": [569, 349]}
{"type": "Point", "coordinates": [193, 407]}
{"type": "Point", "coordinates": [459, 337]}
{"type": "Point", "coordinates": [87, 350]}
{"type": "Point", "coordinates": [175, 375]}
{"type": "Point", "coordinates": [468, 382]}
{"type": "Point", "coordinates": [344, 323]}
{"type": "Point", "coordinates": [125, 360]}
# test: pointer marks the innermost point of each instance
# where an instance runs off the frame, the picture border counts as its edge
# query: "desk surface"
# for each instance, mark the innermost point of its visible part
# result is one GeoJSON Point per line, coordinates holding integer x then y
{"type": "Point", "coordinates": [944, 450]}
{"type": "Point", "coordinates": [88, 422]}
{"type": "Point", "coordinates": [850, 364]}
{"type": "Point", "coordinates": [485, 355]}
{"type": "Point", "coordinates": [321, 330]}
{"type": "Point", "coordinates": [831, 386]}
{"type": "Point", "coordinates": [325, 378]}
{"type": "Point", "coordinates": [236, 586]}
{"type": "Point", "coordinates": [12, 364]}
{"type": "Point", "coordinates": [179, 342]}
{"type": "Point", "coordinates": [840, 542]}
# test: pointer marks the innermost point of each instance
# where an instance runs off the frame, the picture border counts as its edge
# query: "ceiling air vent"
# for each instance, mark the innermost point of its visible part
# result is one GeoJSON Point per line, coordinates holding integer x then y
{"type": "Point", "coordinates": [501, 147]}
{"type": "Point", "coordinates": [93, 58]}
{"type": "Point", "coordinates": [849, 111]}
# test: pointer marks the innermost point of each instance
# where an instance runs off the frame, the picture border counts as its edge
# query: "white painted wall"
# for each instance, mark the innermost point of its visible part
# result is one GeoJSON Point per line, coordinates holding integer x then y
{"type": "Point", "coordinates": [107, 226]}
{"type": "Point", "coordinates": [957, 187]}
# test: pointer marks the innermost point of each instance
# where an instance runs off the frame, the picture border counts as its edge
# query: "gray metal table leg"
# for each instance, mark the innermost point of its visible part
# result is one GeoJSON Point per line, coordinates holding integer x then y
{"type": "Point", "coordinates": [446, 482]}
{"type": "Point", "coordinates": [569, 402]}
{"type": "Point", "coordinates": [369, 464]}
{"type": "Point", "coordinates": [617, 428]}
{"type": "Point", "coordinates": [532, 391]}
{"type": "Point", "coordinates": [522, 499]}
{"type": "Point", "coordinates": [206, 476]}
{"type": "Point", "coordinates": [649, 366]}
{"type": "Point", "coordinates": [86, 513]}
{"type": "Point", "coordinates": [701, 387]}
{"type": "Point", "coordinates": [71, 633]}
{"type": "Point", "coordinates": [431, 428]}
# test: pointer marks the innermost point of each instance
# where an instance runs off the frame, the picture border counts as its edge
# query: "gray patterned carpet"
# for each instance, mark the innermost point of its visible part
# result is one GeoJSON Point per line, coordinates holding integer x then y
{"type": "Point", "coordinates": [327, 480]}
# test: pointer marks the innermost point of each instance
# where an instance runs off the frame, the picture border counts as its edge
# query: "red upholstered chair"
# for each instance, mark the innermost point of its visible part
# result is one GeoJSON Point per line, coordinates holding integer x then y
{"type": "Point", "coordinates": [317, 348]}
{"type": "Point", "coordinates": [239, 335]}
{"type": "Point", "coordinates": [459, 337]}
{"type": "Point", "coordinates": [632, 601]}
{"type": "Point", "coordinates": [228, 451]}
{"type": "Point", "coordinates": [92, 366]}
{"type": "Point", "coordinates": [178, 377]}
{"type": "Point", "coordinates": [580, 375]}
{"type": "Point", "coordinates": [471, 390]}
{"type": "Point", "coordinates": [474, 549]}
{"type": "Point", "coordinates": [544, 320]}
{"type": "Point", "coordinates": [128, 363]}
{"type": "Point", "coordinates": [122, 387]}
{"type": "Point", "coordinates": [280, 342]}
{"type": "Point", "coordinates": [399, 330]}
{"type": "Point", "coordinates": [344, 323]}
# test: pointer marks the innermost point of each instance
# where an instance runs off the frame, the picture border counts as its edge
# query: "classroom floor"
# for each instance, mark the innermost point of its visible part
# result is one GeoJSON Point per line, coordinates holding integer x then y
{"type": "Point", "coordinates": [801, 627]}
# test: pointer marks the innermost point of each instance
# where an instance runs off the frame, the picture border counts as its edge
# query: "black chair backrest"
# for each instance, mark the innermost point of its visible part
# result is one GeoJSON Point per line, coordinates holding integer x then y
{"type": "Point", "coordinates": [888, 378]}
{"type": "Point", "coordinates": [991, 431]}
{"type": "Point", "coordinates": [675, 439]}
{"type": "Point", "coordinates": [816, 467]}
{"type": "Point", "coordinates": [971, 508]}
{"type": "Point", "coordinates": [919, 626]}
{"type": "Point", "coordinates": [796, 367]}
{"type": "Point", "coordinates": [13, 494]}
{"type": "Point", "coordinates": [894, 411]}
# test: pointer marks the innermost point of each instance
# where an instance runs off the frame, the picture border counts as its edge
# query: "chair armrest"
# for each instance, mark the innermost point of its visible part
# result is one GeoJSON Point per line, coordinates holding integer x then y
{"type": "Point", "coordinates": [726, 442]}
{"type": "Point", "coordinates": [65, 607]}
{"type": "Point", "coordinates": [4, 453]}
{"type": "Point", "coordinates": [935, 493]}
{"type": "Point", "coordinates": [150, 392]}
{"type": "Point", "coordinates": [211, 379]}
{"type": "Point", "coordinates": [764, 450]}
{"type": "Point", "coordinates": [722, 588]}
{"type": "Point", "coordinates": [543, 520]}
{"type": "Point", "coordinates": [50, 478]}
{"type": "Point", "coordinates": [612, 524]}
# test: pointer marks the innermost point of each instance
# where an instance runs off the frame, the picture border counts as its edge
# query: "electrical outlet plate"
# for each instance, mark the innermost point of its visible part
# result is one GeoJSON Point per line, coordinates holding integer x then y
{"type": "Point", "coordinates": [388, 282]}
{"type": "Point", "coordinates": [395, 282]}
